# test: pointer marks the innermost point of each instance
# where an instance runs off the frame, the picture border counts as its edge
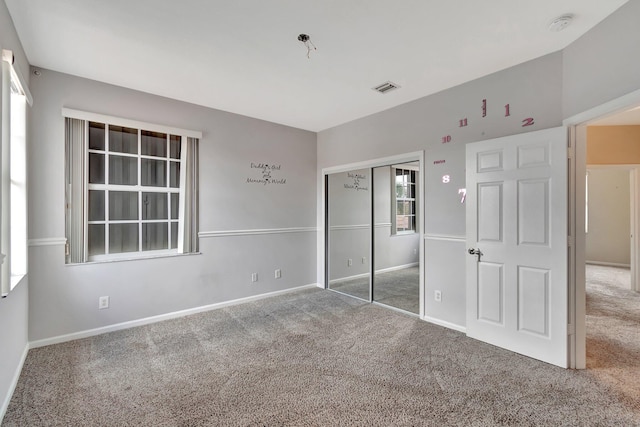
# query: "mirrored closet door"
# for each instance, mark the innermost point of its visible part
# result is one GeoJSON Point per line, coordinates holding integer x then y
{"type": "Point", "coordinates": [396, 242]}
{"type": "Point", "coordinates": [348, 203]}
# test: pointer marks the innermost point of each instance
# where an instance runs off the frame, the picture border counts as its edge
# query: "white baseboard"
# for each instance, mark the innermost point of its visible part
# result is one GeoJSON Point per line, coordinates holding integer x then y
{"type": "Point", "coordinates": [153, 319]}
{"type": "Point", "coordinates": [449, 325]}
{"type": "Point", "coordinates": [397, 267]}
{"type": "Point", "coordinates": [382, 270]}
{"type": "Point", "coordinates": [608, 264]}
{"type": "Point", "coordinates": [14, 383]}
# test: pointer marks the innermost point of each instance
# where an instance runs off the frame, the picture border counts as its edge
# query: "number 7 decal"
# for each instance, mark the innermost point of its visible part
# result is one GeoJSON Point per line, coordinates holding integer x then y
{"type": "Point", "coordinates": [462, 191]}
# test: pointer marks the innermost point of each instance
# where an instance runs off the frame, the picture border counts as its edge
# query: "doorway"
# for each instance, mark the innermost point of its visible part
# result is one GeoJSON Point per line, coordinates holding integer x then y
{"type": "Point", "coordinates": [620, 118]}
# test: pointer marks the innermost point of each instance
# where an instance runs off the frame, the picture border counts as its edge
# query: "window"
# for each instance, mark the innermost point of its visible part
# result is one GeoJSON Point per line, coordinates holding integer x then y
{"type": "Point", "coordinates": [13, 215]}
{"type": "Point", "coordinates": [140, 190]}
{"type": "Point", "coordinates": [404, 208]}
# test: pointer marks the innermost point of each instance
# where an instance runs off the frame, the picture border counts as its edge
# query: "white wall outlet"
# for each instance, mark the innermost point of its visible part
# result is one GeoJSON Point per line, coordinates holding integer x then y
{"type": "Point", "coordinates": [364, 259]}
{"type": "Point", "coordinates": [103, 302]}
{"type": "Point", "coordinates": [349, 262]}
{"type": "Point", "coordinates": [254, 277]}
{"type": "Point", "coordinates": [278, 274]}
{"type": "Point", "coordinates": [415, 251]}
{"type": "Point", "coordinates": [437, 295]}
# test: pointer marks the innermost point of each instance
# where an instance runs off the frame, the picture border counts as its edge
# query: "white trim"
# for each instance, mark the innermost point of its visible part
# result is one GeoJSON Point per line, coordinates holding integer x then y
{"type": "Point", "coordinates": [112, 120]}
{"type": "Point", "coordinates": [397, 267]}
{"type": "Point", "coordinates": [160, 318]}
{"type": "Point", "coordinates": [366, 226]}
{"type": "Point", "coordinates": [14, 383]}
{"type": "Point", "coordinates": [445, 324]}
{"type": "Point", "coordinates": [255, 232]}
{"type": "Point", "coordinates": [342, 279]}
{"type": "Point", "coordinates": [126, 256]}
{"type": "Point", "coordinates": [415, 156]}
{"type": "Point", "coordinates": [626, 166]}
{"type": "Point", "coordinates": [382, 270]}
{"type": "Point", "coordinates": [7, 56]}
{"type": "Point", "coordinates": [602, 111]}
{"type": "Point", "coordinates": [48, 241]}
{"type": "Point", "coordinates": [445, 237]}
{"type": "Point", "coordinates": [608, 264]}
{"type": "Point", "coordinates": [350, 227]}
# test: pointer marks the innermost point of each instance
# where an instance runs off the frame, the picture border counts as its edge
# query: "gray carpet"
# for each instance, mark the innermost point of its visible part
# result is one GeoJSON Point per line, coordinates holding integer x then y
{"type": "Point", "coordinates": [309, 358]}
{"type": "Point", "coordinates": [613, 330]}
{"type": "Point", "coordinates": [398, 288]}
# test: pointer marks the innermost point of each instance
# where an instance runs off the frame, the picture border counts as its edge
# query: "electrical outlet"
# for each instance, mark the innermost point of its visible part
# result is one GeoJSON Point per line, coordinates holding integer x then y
{"type": "Point", "coordinates": [254, 277]}
{"type": "Point", "coordinates": [415, 251]}
{"type": "Point", "coordinates": [437, 295]}
{"type": "Point", "coordinates": [103, 302]}
{"type": "Point", "coordinates": [278, 274]}
{"type": "Point", "coordinates": [364, 259]}
{"type": "Point", "coordinates": [349, 262]}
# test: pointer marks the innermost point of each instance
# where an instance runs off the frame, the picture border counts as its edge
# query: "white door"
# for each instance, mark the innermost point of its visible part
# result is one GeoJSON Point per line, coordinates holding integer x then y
{"type": "Point", "coordinates": [517, 289]}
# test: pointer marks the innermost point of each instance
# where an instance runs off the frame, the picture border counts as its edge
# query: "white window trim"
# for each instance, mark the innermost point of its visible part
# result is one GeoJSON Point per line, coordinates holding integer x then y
{"type": "Point", "coordinates": [182, 208]}
{"type": "Point", "coordinates": [119, 121]}
{"type": "Point", "coordinates": [14, 175]}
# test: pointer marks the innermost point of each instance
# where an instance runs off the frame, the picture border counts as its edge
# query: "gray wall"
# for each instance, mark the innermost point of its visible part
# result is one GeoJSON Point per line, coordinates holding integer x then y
{"type": "Point", "coordinates": [64, 298]}
{"type": "Point", "coordinates": [532, 89]}
{"type": "Point", "coordinates": [603, 64]}
{"type": "Point", "coordinates": [14, 308]}
{"type": "Point", "coordinates": [608, 238]}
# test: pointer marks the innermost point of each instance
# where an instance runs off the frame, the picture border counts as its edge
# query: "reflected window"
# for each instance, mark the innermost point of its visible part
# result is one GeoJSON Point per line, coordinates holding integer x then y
{"type": "Point", "coordinates": [404, 195]}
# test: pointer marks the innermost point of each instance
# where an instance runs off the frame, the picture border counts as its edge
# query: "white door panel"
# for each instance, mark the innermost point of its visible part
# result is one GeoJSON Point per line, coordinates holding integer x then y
{"type": "Point", "coordinates": [517, 218]}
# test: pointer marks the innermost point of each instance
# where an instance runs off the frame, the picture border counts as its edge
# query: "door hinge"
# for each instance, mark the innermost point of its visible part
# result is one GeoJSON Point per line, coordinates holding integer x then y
{"type": "Point", "coordinates": [570, 241]}
{"type": "Point", "coordinates": [67, 250]}
{"type": "Point", "coordinates": [571, 329]}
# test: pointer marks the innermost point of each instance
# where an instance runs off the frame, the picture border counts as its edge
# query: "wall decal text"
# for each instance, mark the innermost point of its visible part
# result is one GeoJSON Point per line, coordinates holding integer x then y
{"type": "Point", "coordinates": [266, 174]}
{"type": "Point", "coordinates": [355, 182]}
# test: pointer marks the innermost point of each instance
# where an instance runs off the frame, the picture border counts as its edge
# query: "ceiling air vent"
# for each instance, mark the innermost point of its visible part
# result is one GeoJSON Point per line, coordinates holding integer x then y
{"type": "Point", "coordinates": [386, 87]}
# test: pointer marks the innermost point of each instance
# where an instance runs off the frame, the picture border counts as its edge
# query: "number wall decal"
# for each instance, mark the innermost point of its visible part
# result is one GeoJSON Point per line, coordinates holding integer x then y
{"type": "Point", "coordinates": [463, 122]}
{"type": "Point", "coordinates": [507, 113]}
{"type": "Point", "coordinates": [446, 139]}
{"type": "Point", "coordinates": [528, 122]}
{"type": "Point", "coordinates": [462, 191]}
{"type": "Point", "coordinates": [484, 108]}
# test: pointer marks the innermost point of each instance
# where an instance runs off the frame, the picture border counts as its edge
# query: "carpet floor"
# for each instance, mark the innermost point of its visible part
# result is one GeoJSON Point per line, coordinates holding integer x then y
{"type": "Point", "coordinates": [311, 358]}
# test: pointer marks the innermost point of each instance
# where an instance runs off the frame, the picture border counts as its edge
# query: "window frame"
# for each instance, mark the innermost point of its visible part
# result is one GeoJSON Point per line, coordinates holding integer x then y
{"type": "Point", "coordinates": [138, 188]}
{"type": "Point", "coordinates": [16, 97]}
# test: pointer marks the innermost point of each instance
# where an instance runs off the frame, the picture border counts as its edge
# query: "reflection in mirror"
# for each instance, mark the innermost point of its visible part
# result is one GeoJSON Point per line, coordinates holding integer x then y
{"type": "Point", "coordinates": [349, 232]}
{"type": "Point", "coordinates": [396, 240]}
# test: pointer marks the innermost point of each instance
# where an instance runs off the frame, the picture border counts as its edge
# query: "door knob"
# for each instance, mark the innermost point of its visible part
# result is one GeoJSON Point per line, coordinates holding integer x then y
{"type": "Point", "coordinates": [477, 252]}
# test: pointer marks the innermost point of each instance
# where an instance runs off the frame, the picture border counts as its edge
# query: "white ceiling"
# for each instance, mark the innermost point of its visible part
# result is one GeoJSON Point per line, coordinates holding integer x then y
{"type": "Point", "coordinates": [243, 56]}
